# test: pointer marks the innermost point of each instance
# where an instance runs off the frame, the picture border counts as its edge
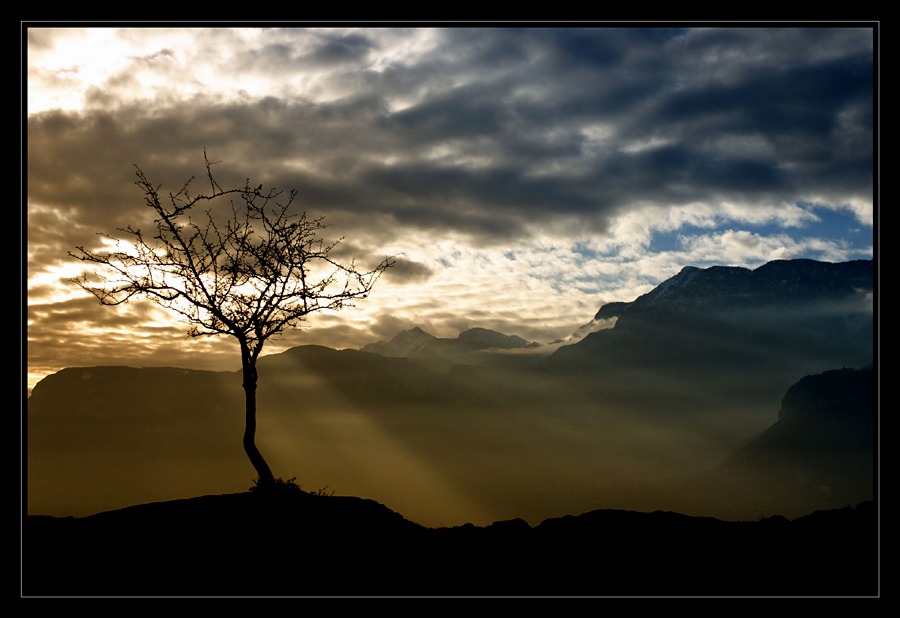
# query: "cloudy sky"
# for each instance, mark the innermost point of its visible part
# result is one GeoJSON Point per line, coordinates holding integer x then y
{"type": "Point", "coordinates": [524, 176]}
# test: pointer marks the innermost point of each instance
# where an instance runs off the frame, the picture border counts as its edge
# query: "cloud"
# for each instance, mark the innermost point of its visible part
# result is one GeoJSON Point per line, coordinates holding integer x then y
{"type": "Point", "coordinates": [408, 271]}
{"type": "Point", "coordinates": [481, 149]}
{"type": "Point", "coordinates": [602, 159]}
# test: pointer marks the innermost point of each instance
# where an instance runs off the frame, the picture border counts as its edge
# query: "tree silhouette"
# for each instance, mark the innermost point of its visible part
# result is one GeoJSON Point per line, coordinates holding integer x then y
{"type": "Point", "coordinates": [251, 272]}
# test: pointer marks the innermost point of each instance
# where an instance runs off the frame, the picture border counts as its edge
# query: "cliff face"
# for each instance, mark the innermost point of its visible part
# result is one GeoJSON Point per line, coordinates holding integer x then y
{"type": "Point", "coordinates": [825, 419]}
{"type": "Point", "coordinates": [841, 396]}
{"type": "Point", "coordinates": [823, 443]}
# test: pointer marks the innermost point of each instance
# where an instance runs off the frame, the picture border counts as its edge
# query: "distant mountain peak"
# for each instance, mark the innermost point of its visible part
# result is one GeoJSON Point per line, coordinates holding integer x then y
{"type": "Point", "coordinates": [414, 333]}
{"type": "Point", "coordinates": [492, 338]}
{"type": "Point", "coordinates": [465, 348]}
{"type": "Point", "coordinates": [402, 344]}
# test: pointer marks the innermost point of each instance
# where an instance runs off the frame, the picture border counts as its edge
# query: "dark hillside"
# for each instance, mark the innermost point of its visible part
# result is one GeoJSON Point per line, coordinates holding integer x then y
{"type": "Point", "coordinates": [301, 544]}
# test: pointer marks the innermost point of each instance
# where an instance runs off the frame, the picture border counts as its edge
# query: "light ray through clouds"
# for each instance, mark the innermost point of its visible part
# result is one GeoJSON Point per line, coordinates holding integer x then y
{"type": "Point", "coordinates": [525, 176]}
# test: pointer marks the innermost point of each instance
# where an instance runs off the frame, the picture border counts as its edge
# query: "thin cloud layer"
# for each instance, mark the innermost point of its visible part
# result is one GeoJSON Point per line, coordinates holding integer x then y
{"type": "Point", "coordinates": [554, 169]}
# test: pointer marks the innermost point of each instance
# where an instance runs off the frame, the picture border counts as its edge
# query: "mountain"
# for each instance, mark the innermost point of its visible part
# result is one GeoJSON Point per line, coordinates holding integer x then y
{"type": "Point", "coordinates": [473, 346]}
{"type": "Point", "coordinates": [319, 375]}
{"type": "Point", "coordinates": [482, 338]}
{"type": "Point", "coordinates": [403, 344]}
{"type": "Point", "coordinates": [737, 312]}
{"type": "Point", "coordinates": [770, 325]}
{"type": "Point", "coordinates": [293, 543]}
{"type": "Point", "coordinates": [823, 443]}
{"type": "Point", "coordinates": [831, 412]}
{"type": "Point", "coordinates": [689, 375]}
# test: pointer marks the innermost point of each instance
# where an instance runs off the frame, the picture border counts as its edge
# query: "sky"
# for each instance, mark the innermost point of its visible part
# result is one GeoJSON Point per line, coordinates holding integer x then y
{"type": "Point", "coordinates": [523, 175]}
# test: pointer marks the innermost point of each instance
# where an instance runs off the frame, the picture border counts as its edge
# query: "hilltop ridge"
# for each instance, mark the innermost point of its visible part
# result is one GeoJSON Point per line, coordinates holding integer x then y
{"type": "Point", "coordinates": [300, 544]}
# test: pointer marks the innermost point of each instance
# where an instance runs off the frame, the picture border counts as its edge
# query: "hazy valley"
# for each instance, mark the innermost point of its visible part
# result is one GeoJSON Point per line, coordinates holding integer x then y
{"type": "Point", "coordinates": [674, 407]}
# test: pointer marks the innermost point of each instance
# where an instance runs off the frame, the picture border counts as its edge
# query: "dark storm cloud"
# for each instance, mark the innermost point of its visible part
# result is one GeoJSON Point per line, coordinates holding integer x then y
{"type": "Point", "coordinates": [515, 78]}
{"type": "Point", "coordinates": [408, 271]}
{"type": "Point", "coordinates": [496, 189]}
{"type": "Point", "coordinates": [672, 174]}
{"type": "Point", "coordinates": [169, 148]}
{"type": "Point", "coordinates": [650, 85]}
{"type": "Point", "coordinates": [340, 49]}
{"type": "Point", "coordinates": [290, 50]}
{"type": "Point", "coordinates": [565, 49]}
{"type": "Point", "coordinates": [494, 129]}
{"type": "Point", "coordinates": [775, 100]}
{"type": "Point", "coordinates": [462, 113]}
{"type": "Point", "coordinates": [582, 47]}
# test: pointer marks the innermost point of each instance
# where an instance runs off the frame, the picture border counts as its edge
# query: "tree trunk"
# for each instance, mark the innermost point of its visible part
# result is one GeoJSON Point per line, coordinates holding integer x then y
{"type": "Point", "coordinates": [259, 463]}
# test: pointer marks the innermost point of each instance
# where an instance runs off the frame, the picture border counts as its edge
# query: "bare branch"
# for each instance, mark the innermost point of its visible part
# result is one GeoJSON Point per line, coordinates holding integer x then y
{"type": "Point", "coordinates": [244, 264]}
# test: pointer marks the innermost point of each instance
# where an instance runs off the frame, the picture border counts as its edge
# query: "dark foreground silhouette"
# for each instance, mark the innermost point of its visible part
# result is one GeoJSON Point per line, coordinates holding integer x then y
{"type": "Point", "coordinates": [293, 543]}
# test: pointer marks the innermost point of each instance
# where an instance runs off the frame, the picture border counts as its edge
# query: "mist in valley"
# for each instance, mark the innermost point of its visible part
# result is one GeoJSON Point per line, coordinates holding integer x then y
{"type": "Point", "coordinates": [666, 410]}
{"type": "Point", "coordinates": [469, 445]}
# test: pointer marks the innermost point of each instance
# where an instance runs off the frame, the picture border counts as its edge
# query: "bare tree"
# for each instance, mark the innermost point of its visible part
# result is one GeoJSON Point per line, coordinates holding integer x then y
{"type": "Point", "coordinates": [251, 272]}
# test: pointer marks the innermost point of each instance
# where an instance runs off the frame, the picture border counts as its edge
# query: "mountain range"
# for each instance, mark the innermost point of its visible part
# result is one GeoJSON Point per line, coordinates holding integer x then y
{"type": "Point", "coordinates": [724, 392]}
{"type": "Point", "coordinates": [472, 346]}
{"type": "Point", "coordinates": [788, 318]}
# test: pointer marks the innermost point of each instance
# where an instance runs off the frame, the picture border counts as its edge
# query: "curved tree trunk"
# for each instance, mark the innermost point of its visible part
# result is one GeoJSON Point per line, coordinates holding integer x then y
{"type": "Point", "coordinates": [259, 463]}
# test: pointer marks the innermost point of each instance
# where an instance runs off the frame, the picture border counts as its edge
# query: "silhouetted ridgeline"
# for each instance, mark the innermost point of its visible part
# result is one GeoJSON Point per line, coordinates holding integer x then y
{"type": "Point", "coordinates": [300, 544]}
